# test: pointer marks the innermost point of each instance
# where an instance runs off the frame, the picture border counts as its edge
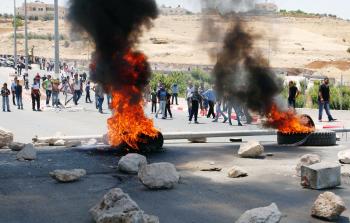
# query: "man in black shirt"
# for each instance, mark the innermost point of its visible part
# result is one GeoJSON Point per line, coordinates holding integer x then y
{"type": "Point", "coordinates": [293, 94]}
{"type": "Point", "coordinates": [323, 100]}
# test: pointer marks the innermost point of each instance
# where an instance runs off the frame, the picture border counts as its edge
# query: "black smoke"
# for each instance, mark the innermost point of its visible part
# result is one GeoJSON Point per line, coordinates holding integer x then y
{"type": "Point", "coordinates": [115, 27]}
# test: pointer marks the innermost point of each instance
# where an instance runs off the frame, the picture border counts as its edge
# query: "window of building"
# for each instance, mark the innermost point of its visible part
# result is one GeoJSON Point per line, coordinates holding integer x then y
{"type": "Point", "coordinates": [33, 9]}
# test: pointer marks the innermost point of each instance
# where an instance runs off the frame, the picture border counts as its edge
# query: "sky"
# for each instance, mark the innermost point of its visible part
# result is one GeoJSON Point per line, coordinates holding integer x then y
{"type": "Point", "coordinates": [340, 8]}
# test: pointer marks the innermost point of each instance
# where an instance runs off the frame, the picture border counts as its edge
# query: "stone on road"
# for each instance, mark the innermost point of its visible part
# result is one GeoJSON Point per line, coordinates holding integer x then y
{"type": "Point", "coordinates": [251, 149]}
{"type": "Point", "coordinates": [131, 163]}
{"type": "Point", "coordinates": [59, 142]}
{"type": "Point", "coordinates": [269, 214]}
{"type": "Point", "coordinates": [6, 137]}
{"type": "Point", "coordinates": [321, 175]}
{"type": "Point", "coordinates": [328, 206]}
{"type": "Point", "coordinates": [159, 176]}
{"type": "Point", "coordinates": [344, 156]}
{"type": "Point", "coordinates": [27, 153]}
{"type": "Point", "coordinates": [117, 206]}
{"type": "Point", "coordinates": [65, 176]}
{"type": "Point", "coordinates": [307, 160]}
{"type": "Point", "coordinates": [16, 146]}
{"type": "Point", "coordinates": [236, 172]}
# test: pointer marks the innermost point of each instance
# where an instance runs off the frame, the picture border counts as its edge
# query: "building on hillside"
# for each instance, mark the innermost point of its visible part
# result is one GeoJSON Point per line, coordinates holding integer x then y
{"type": "Point", "coordinates": [164, 10]}
{"type": "Point", "coordinates": [38, 9]}
{"type": "Point", "coordinates": [266, 7]}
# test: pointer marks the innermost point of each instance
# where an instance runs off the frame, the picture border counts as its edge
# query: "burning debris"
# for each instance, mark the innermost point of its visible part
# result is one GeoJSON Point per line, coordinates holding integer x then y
{"type": "Point", "coordinates": [243, 75]}
{"type": "Point", "coordinates": [115, 28]}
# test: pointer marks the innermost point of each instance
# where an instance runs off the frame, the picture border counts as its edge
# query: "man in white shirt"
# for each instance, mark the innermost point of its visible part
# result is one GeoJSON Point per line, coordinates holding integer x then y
{"type": "Point", "coordinates": [36, 95]}
{"type": "Point", "coordinates": [77, 88]}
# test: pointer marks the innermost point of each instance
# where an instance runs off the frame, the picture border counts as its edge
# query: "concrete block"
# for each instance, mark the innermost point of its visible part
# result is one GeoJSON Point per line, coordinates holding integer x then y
{"type": "Point", "coordinates": [198, 140]}
{"type": "Point", "coordinates": [321, 175]}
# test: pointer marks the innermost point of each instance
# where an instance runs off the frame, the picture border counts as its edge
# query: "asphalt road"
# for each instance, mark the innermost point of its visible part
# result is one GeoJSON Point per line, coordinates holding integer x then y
{"type": "Point", "coordinates": [28, 194]}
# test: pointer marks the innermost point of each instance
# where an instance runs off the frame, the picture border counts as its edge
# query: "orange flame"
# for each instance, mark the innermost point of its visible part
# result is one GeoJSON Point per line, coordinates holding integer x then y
{"type": "Point", "coordinates": [129, 122]}
{"type": "Point", "coordinates": [286, 121]}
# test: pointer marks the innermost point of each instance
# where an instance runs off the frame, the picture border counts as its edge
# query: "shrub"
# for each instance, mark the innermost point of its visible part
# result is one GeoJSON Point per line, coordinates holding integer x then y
{"type": "Point", "coordinates": [18, 22]}
{"type": "Point", "coordinates": [348, 50]}
{"type": "Point", "coordinates": [66, 44]}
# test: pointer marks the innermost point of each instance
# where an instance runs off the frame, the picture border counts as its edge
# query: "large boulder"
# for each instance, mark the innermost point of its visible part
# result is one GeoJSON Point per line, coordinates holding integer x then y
{"type": "Point", "coordinates": [251, 149]}
{"type": "Point", "coordinates": [131, 163]}
{"type": "Point", "coordinates": [307, 160]}
{"type": "Point", "coordinates": [236, 172]}
{"type": "Point", "coordinates": [116, 206]}
{"type": "Point", "coordinates": [66, 176]}
{"type": "Point", "coordinates": [6, 138]}
{"type": "Point", "coordinates": [16, 146]}
{"type": "Point", "coordinates": [328, 206]}
{"type": "Point", "coordinates": [269, 214]}
{"type": "Point", "coordinates": [27, 153]}
{"type": "Point", "coordinates": [159, 176]}
{"type": "Point", "coordinates": [344, 157]}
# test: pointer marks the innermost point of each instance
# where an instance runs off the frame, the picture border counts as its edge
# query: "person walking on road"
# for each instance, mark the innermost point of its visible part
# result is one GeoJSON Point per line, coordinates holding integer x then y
{"type": "Point", "coordinates": [175, 93]}
{"type": "Point", "coordinates": [323, 101]}
{"type": "Point", "coordinates": [100, 95]}
{"type": "Point", "coordinates": [189, 92]}
{"type": "Point", "coordinates": [18, 91]}
{"type": "Point", "coordinates": [13, 86]}
{"type": "Point", "coordinates": [87, 90]}
{"type": "Point", "coordinates": [154, 101]}
{"type": "Point", "coordinates": [47, 86]}
{"type": "Point", "coordinates": [195, 99]}
{"type": "Point", "coordinates": [219, 112]}
{"type": "Point", "coordinates": [36, 95]}
{"type": "Point", "coordinates": [55, 93]}
{"type": "Point", "coordinates": [211, 97]}
{"type": "Point", "coordinates": [5, 93]}
{"type": "Point", "coordinates": [231, 105]}
{"type": "Point", "coordinates": [77, 88]}
{"type": "Point", "coordinates": [162, 97]}
{"type": "Point", "coordinates": [168, 106]}
{"type": "Point", "coordinates": [293, 94]}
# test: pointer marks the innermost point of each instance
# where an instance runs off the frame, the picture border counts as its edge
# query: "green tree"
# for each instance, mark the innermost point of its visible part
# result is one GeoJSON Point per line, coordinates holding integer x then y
{"type": "Point", "coordinates": [18, 22]}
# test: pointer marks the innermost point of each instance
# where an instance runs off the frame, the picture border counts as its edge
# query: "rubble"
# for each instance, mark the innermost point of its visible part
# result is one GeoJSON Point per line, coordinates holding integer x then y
{"type": "Point", "coordinates": [65, 176]}
{"type": "Point", "coordinates": [251, 149]}
{"type": "Point", "coordinates": [72, 143]}
{"type": "Point", "coordinates": [16, 146]}
{"type": "Point", "coordinates": [344, 157]}
{"type": "Point", "coordinates": [307, 160]}
{"type": "Point", "coordinates": [328, 206]}
{"type": "Point", "coordinates": [321, 175]}
{"type": "Point", "coordinates": [27, 153]}
{"type": "Point", "coordinates": [236, 172]}
{"type": "Point", "coordinates": [269, 214]}
{"type": "Point", "coordinates": [116, 206]}
{"type": "Point", "coordinates": [6, 137]}
{"type": "Point", "coordinates": [59, 142]}
{"type": "Point", "coordinates": [159, 176]}
{"type": "Point", "coordinates": [131, 163]}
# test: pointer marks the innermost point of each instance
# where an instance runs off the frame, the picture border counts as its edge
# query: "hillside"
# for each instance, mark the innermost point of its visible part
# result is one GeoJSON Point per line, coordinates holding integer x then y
{"type": "Point", "coordinates": [290, 42]}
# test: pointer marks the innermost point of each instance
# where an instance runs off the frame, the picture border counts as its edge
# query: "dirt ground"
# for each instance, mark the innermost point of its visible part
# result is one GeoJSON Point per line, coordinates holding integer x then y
{"type": "Point", "coordinates": [285, 41]}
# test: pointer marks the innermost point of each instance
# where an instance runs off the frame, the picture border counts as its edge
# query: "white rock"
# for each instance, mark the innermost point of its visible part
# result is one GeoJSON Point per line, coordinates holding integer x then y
{"type": "Point", "coordinates": [131, 163]}
{"type": "Point", "coordinates": [6, 137]}
{"type": "Point", "coordinates": [116, 206]}
{"type": "Point", "coordinates": [269, 214]}
{"type": "Point", "coordinates": [65, 176]}
{"type": "Point", "coordinates": [91, 142]}
{"type": "Point", "coordinates": [27, 153]}
{"type": "Point", "coordinates": [251, 149]}
{"type": "Point", "coordinates": [5, 148]}
{"type": "Point", "coordinates": [159, 176]}
{"type": "Point", "coordinates": [16, 146]}
{"type": "Point", "coordinates": [307, 160]}
{"type": "Point", "coordinates": [59, 142]}
{"type": "Point", "coordinates": [72, 143]}
{"type": "Point", "coordinates": [328, 206]}
{"type": "Point", "coordinates": [236, 172]}
{"type": "Point", "coordinates": [344, 156]}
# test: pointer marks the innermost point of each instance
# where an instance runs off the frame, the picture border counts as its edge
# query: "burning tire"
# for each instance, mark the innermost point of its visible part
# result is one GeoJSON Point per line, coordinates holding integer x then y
{"type": "Point", "coordinates": [318, 138]}
{"type": "Point", "coordinates": [148, 145]}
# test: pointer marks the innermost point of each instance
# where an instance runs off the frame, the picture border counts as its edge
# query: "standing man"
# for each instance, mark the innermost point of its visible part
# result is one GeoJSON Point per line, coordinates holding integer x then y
{"type": "Point", "coordinates": [175, 93]}
{"type": "Point", "coordinates": [99, 93]}
{"type": "Point", "coordinates": [189, 92]}
{"type": "Point", "coordinates": [211, 97]}
{"type": "Point", "coordinates": [5, 92]}
{"type": "Point", "coordinates": [167, 106]}
{"type": "Point", "coordinates": [18, 91]}
{"type": "Point", "coordinates": [87, 90]}
{"type": "Point", "coordinates": [323, 100]}
{"type": "Point", "coordinates": [55, 93]}
{"type": "Point", "coordinates": [78, 88]}
{"type": "Point", "coordinates": [162, 96]}
{"type": "Point", "coordinates": [47, 85]}
{"type": "Point", "coordinates": [195, 101]}
{"type": "Point", "coordinates": [293, 94]}
{"type": "Point", "coordinates": [13, 91]}
{"type": "Point", "coordinates": [36, 95]}
{"type": "Point", "coordinates": [154, 100]}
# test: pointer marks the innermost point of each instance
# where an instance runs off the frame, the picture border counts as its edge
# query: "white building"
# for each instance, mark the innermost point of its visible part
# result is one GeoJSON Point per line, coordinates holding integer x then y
{"type": "Point", "coordinates": [38, 9]}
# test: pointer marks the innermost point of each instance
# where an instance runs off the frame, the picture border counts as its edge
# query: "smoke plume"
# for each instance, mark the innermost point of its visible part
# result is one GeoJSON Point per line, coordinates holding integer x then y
{"type": "Point", "coordinates": [242, 74]}
{"type": "Point", "coordinates": [115, 27]}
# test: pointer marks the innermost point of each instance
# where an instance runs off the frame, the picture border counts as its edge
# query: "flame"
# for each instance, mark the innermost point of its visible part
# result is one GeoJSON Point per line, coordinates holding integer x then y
{"type": "Point", "coordinates": [286, 122]}
{"type": "Point", "coordinates": [129, 122]}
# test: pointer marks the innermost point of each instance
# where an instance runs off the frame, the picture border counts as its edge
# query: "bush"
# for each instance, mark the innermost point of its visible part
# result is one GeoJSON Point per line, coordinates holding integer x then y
{"type": "Point", "coordinates": [348, 50]}
{"type": "Point", "coordinates": [18, 22]}
{"type": "Point", "coordinates": [66, 44]}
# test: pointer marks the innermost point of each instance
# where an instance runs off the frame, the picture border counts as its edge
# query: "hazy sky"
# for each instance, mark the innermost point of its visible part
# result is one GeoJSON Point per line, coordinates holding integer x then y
{"type": "Point", "coordinates": [340, 8]}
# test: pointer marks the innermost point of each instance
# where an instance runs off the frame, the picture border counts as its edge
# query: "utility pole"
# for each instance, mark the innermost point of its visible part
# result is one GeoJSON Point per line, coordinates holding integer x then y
{"type": "Point", "coordinates": [15, 34]}
{"type": "Point", "coordinates": [26, 35]}
{"type": "Point", "coordinates": [57, 46]}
